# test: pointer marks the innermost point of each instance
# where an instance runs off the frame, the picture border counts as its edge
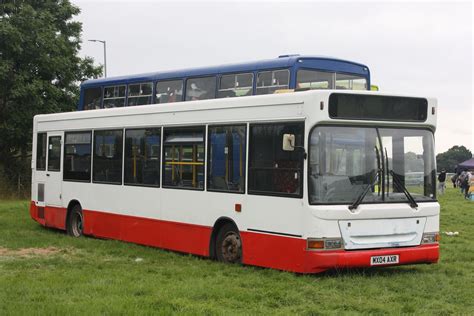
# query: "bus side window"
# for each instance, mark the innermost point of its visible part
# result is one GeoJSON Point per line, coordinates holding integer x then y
{"type": "Point", "coordinates": [235, 85]}
{"type": "Point", "coordinates": [142, 157]}
{"type": "Point", "coordinates": [169, 91]}
{"type": "Point", "coordinates": [201, 88]}
{"type": "Point", "coordinates": [92, 98]}
{"type": "Point", "coordinates": [107, 163]}
{"type": "Point", "coordinates": [41, 151]}
{"type": "Point", "coordinates": [183, 157]}
{"type": "Point", "coordinates": [273, 171]}
{"type": "Point", "coordinates": [114, 96]}
{"type": "Point", "coordinates": [226, 158]}
{"type": "Point", "coordinates": [270, 81]}
{"type": "Point", "coordinates": [140, 94]}
{"type": "Point", "coordinates": [314, 79]}
{"type": "Point", "coordinates": [77, 156]}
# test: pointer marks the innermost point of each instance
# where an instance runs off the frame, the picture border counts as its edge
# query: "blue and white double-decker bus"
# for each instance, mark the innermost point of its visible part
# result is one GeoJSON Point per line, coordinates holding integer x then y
{"type": "Point", "coordinates": [251, 78]}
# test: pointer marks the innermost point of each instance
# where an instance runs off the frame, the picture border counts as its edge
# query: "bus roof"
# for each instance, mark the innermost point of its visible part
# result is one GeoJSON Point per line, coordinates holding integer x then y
{"type": "Point", "coordinates": [283, 61]}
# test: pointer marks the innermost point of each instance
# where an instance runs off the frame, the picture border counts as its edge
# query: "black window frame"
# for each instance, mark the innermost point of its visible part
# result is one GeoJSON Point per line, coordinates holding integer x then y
{"type": "Point", "coordinates": [64, 156]}
{"type": "Point", "coordinates": [159, 155]}
{"type": "Point", "coordinates": [44, 150]}
{"type": "Point", "coordinates": [302, 160]}
{"type": "Point", "coordinates": [94, 153]}
{"type": "Point", "coordinates": [208, 151]}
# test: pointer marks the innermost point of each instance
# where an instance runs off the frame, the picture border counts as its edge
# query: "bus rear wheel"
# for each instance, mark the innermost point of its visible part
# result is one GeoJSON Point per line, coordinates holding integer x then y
{"type": "Point", "coordinates": [229, 244]}
{"type": "Point", "coordinates": [75, 222]}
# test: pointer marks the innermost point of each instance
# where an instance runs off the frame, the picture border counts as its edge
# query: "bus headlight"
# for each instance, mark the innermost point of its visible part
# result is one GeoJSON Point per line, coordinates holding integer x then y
{"type": "Point", "coordinates": [430, 238]}
{"type": "Point", "coordinates": [324, 243]}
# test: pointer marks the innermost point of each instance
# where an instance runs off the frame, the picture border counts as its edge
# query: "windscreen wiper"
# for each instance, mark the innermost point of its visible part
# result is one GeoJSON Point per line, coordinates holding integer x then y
{"type": "Point", "coordinates": [400, 186]}
{"type": "Point", "coordinates": [366, 190]}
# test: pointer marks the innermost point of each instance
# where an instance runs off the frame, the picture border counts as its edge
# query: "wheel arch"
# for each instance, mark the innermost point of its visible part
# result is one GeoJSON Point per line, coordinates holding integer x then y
{"type": "Point", "coordinates": [70, 206]}
{"type": "Point", "coordinates": [220, 222]}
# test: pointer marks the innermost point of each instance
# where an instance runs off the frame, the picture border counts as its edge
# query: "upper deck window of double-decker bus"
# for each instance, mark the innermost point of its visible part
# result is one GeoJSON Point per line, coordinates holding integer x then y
{"type": "Point", "coordinates": [169, 91]}
{"type": "Point", "coordinates": [201, 88]}
{"type": "Point", "coordinates": [140, 93]}
{"type": "Point", "coordinates": [235, 85]}
{"type": "Point", "coordinates": [270, 81]}
{"type": "Point", "coordinates": [314, 79]}
{"type": "Point", "coordinates": [92, 98]}
{"type": "Point", "coordinates": [114, 96]}
{"type": "Point", "coordinates": [350, 82]}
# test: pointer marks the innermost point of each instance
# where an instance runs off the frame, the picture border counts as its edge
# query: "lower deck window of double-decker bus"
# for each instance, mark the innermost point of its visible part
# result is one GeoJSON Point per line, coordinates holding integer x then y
{"type": "Point", "coordinates": [183, 157]}
{"type": "Point", "coordinates": [92, 98]}
{"type": "Point", "coordinates": [107, 163]}
{"type": "Point", "coordinates": [77, 156]}
{"type": "Point", "coordinates": [226, 158]}
{"type": "Point", "coordinates": [142, 156]}
{"type": "Point", "coordinates": [345, 161]}
{"type": "Point", "coordinates": [273, 171]}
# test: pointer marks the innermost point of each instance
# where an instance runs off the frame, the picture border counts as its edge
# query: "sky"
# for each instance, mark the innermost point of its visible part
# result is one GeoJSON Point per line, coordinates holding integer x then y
{"type": "Point", "coordinates": [421, 48]}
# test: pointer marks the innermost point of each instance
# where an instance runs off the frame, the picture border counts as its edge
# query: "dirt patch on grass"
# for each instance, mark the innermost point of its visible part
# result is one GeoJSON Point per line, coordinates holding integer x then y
{"type": "Point", "coordinates": [29, 252]}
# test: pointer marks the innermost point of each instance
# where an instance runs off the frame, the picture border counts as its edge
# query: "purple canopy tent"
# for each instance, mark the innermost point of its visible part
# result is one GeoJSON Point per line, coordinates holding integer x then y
{"type": "Point", "coordinates": [468, 164]}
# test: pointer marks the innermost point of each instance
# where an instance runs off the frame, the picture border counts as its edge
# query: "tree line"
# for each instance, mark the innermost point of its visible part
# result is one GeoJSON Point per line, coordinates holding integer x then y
{"type": "Point", "coordinates": [40, 72]}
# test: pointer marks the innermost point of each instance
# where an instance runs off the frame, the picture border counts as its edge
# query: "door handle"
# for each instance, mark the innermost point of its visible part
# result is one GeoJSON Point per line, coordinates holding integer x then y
{"type": "Point", "coordinates": [47, 174]}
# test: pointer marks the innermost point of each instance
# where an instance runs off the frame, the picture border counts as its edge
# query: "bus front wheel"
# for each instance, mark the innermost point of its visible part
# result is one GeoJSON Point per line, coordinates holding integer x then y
{"type": "Point", "coordinates": [229, 244]}
{"type": "Point", "coordinates": [75, 222]}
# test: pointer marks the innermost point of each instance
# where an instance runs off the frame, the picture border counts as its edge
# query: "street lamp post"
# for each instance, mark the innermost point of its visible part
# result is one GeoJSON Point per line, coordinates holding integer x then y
{"type": "Point", "coordinates": [105, 54]}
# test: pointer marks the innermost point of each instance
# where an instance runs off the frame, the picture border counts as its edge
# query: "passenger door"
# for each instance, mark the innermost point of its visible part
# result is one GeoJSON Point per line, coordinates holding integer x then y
{"type": "Point", "coordinates": [54, 173]}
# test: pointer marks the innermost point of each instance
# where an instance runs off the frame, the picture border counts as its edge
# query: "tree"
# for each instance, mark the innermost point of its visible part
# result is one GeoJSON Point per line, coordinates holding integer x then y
{"type": "Point", "coordinates": [40, 71]}
{"type": "Point", "coordinates": [449, 159]}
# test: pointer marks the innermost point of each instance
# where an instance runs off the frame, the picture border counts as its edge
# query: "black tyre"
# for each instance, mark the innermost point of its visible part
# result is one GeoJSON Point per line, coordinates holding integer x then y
{"type": "Point", "coordinates": [229, 244]}
{"type": "Point", "coordinates": [75, 222]}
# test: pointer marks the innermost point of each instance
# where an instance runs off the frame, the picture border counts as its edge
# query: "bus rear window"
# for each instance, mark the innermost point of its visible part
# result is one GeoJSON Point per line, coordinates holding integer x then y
{"type": "Point", "coordinates": [92, 98]}
{"type": "Point", "coordinates": [374, 107]}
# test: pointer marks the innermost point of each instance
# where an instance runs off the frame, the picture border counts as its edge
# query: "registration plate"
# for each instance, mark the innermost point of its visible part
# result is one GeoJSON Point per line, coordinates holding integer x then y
{"type": "Point", "coordinates": [380, 260]}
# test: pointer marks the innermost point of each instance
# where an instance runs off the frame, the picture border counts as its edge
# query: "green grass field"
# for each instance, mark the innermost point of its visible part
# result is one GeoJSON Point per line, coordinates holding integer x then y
{"type": "Point", "coordinates": [43, 271]}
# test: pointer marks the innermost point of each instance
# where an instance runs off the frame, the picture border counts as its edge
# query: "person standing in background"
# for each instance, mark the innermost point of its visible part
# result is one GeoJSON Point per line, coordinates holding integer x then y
{"type": "Point", "coordinates": [442, 181]}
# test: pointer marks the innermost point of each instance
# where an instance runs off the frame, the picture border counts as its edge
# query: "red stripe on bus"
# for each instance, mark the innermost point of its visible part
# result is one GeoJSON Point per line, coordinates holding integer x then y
{"type": "Point", "coordinates": [175, 236]}
{"type": "Point", "coordinates": [259, 249]}
{"type": "Point", "coordinates": [54, 217]}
